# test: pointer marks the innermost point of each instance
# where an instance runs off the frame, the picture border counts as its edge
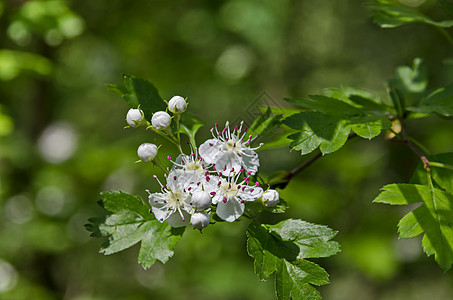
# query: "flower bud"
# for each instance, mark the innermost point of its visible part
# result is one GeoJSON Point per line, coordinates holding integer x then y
{"type": "Point", "coordinates": [200, 220]}
{"type": "Point", "coordinates": [147, 152]}
{"type": "Point", "coordinates": [271, 198]}
{"type": "Point", "coordinates": [134, 116]}
{"type": "Point", "coordinates": [160, 120]}
{"type": "Point", "coordinates": [177, 105]}
{"type": "Point", "coordinates": [201, 200]}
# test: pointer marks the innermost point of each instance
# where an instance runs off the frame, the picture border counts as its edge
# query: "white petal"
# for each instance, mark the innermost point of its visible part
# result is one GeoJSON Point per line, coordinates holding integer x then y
{"type": "Point", "coordinates": [250, 161]}
{"type": "Point", "coordinates": [251, 193]}
{"type": "Point", "coordinates": [208, 152]}
{"type": "Point", "coordinates": [175, 219]}
{"type": "Point", "coordinates": [231, 210]}
{"type": "Point", "coordinates": [226, 161]}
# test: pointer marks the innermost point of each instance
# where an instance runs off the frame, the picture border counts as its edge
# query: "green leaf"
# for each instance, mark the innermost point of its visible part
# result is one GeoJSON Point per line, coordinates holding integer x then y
{"type": "Point", "coordinates": [130, 223]}
{"type": "Point", "coordinates": [280, 208]}
{"type": "Point", "coordinates": [388, 15]}
{"type": "Point", "coordinates": [190, 124]}
{"type": "Point", "coordinates": [360, 99]}
{"type": "Point", "coordinates": [434, 217]}
{"type": "Point", "coordinates": [327, 105]}
{"type": "Point", "coordinates": [415, 79]}
{"type": "Point", "coordinates": [294, 276]}
{"type": "Point", "coordinates": [313, 240]}
{"type": "Point", "coordinates": [442, 177]}
{"type": "Point", "coordinates": [265, 124]}
{"type": "Point", "coordinates": [369, 127]}
{"type": "Point", "coordinates": [440, 102]}
{"type": "Point", "coordinates": [267, 250]}
{"type": "Point", "coordinates": [139, 92]}
{"type": "Point", "coordinates": [317, 130]}
{"type": "Point", "coordinates": [292, 281]}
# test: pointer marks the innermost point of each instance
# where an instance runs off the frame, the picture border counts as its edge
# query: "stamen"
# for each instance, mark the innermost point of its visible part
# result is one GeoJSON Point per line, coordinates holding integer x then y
{"type": "Point", "coordinates": [180, 213]}
{"type": "Point", "coordinates": [224, 199]}
{"type": "Point", "coordinates": [257, 184]}
{"type": "Point", "coordinates": [212, 193]}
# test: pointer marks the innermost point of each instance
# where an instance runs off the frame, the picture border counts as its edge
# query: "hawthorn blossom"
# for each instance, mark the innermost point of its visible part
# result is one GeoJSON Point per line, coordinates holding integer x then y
{"type": "Point", "coordinates": [173, 204]}
{"type": "Point", "coordinates": [231, 195]}
{"type": "Point", "coordinates": [200, 220]}
{"type": "Point", "coordinates": [271, 198]}
{"type": "Point", "coordinates": [177, 105]}
{"type": "Point", "coordinates": [134, 117]}
{"type": "Point", "coordinates": [147, 152]}
{"type": "Point", "coordinates": [196, 171]}
{"type": "Point", "coordinates": [160, 120]}
{"type": "Point", "coordinates": [228, 150]}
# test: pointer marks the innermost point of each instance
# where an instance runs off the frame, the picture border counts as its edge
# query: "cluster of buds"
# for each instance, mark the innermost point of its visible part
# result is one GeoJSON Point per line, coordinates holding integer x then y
{"type": "Point", "coordinates": [216, 177]}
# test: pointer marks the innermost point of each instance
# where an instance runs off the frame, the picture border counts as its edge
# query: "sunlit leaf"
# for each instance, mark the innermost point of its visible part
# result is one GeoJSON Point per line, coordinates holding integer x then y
{"type": "Point", "coordinates": [130, 223]}
{"type": "Point", "coordinates": [434, 217]}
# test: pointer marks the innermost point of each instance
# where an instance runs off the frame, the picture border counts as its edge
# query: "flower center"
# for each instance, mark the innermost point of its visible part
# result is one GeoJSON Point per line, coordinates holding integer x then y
{"type": "Point", "coordinates": [191, 166]}
{"type": "Point", "coordinates": [175, 199]}
{"type": "Point", "coordinates": [230, 189]}
{"type": "Point", "coordinates": [232, 146]}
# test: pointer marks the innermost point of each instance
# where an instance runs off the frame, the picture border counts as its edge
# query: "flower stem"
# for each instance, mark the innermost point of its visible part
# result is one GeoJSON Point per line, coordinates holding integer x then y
{"type": "Point", "coordinates": [441, 165]}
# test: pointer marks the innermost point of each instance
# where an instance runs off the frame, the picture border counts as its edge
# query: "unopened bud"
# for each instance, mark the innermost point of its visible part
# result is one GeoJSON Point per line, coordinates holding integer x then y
{"type": "Point", "coordinates": [201, 200]}
{"type": "Point", "coordinates": [134, 117]}
{"type": "Point", "coordinates": [271, 198]}
{"type": "Point", "coordinates": [200, 220]}
{"type": "Point", "coordinates": [160, 120]}
{"type": "Point", "coordinates": [147, 152]}
{"type": "Point", "coordinates": [177, 105]}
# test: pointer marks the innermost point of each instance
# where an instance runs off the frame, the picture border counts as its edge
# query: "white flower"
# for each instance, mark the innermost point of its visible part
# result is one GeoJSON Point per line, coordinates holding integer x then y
{"type": "Point", "coordinates": [229, 152]}
{"type": "Point", "coordinates": [147, 152]}
{"type": "Point", "coordinates": [160, 120]}
{"type": "Point", "coordinates": [134, 117]}
{"type": "Point", "coordinates": [196, 170]}
{"type": "Point", "coordinates": [177, 105]}
{"type": "Point", "coordinates": [271, 198]}
{"type": "Point", "coordinates": [230, 196]}
{"type": "Point", "coordinates": [201, 200]}
{"type": "Point", "coordinates": [174, 203]}
{"type": "Point", "coordinates": [200, 220]}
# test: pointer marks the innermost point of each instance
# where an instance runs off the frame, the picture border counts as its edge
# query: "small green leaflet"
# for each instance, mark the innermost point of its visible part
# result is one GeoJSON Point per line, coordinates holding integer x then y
{"type": "Point", "coordinates": [434, 217]}
{"type": "Point", "coordinates": [130, 223]}
{"type": "Point", "coordinates": [439, 101]}
{"type": "Point", "coordinates": [313, 240]}
{"type": "Point", "coordinates": [413, 79]}
{"type": "Point", "coordinates": [139, 92]}
{"type": "Point", "coordinates": [281, 250]}
{"type": "Point", "coordinates": [364, 100]}
{"type": "Point", "coordinates": [317, 130]}
{"type": "Point", "coordinates": [389, 15]}
{"type": "Point", "coordinates": [265, 124]}
{"type": "Point", "coordinates": [330, 133]}
{"type": "Point", "coordinates": [190, 124]}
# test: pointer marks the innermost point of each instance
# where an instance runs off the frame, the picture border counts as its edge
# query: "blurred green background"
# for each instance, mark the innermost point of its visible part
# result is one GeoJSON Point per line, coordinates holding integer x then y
{"type": "Point", "coordinates": [62, 140]}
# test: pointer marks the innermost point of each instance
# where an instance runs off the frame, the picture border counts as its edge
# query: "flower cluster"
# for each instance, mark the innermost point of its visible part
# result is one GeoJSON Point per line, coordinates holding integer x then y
{"type": "Point", "coordinates": [217, 176]}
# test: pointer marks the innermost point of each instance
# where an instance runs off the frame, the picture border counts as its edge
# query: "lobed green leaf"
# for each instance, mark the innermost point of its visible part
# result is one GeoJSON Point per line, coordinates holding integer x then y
{"type": "Point", "coordinates": [139, 92]}
{"type": "Point", "coordinates": [276, 249]}
{"type": "Point", "coordinates": [434, 217]}
{"type": "Point", "coordinates": [131, 223]}
{"type": "Point", "coordinates": [439, 101]}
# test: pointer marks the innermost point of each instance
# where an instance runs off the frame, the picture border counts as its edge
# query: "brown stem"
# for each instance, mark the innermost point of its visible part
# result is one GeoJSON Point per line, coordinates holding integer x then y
{"type": "Point", "coordinates": [310, 161]}
{"type": "Point", "coordinates": [413, 147]}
